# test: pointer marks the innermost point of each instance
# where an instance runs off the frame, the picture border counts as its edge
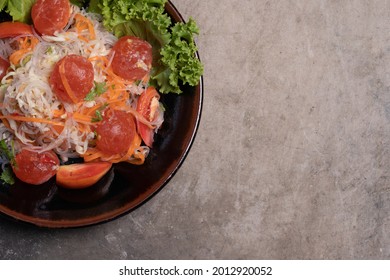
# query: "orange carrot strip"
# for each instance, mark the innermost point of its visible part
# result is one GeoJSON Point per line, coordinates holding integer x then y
{"type": "Point", "coordinates": [83, 23]}
{"type": "Point", "coordinates": [58, 113]}
{"type": "Point", "coordinates": [31, 119]}
{"type": "Point", "coordinates": [26, 45]}
{"type": "Point", "coordinates": [139, 159]}
{"type": "Point", "coordinates": [66, 83]}
{"type": "Point", "coordinates": [92, 154]}
{"type": "Point", "coordinates": [82, 118]}
{"type": "Point", "coordinates": [95, 154]}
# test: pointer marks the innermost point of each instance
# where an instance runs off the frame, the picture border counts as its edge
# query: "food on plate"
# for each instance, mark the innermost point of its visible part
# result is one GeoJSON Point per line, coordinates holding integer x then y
{"type": "Point", "coordinates": [34, 167]}
{"type": "Point", "coordinates": [131, 58]}
{"type": "Point", "coordinates": [72, 78]}
{"type": "Point", "coordinates": [14, 29]}
{"type": "Point", "coordinates": [4, 65]}
{"type": "Point", "coordinates": [81, 175]}
{"type": "Point", "coordinates": [86, 84]}
{"type": "Point", "coordinates": [50, 16]}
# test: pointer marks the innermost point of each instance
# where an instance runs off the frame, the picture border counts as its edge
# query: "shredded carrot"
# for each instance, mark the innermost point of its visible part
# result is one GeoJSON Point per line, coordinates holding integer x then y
{"type": "Point", "coordinates": [93, 154]}
{"type": "Point", "coordinates": [26, 45]}
{"type": "Point", "coordinates": [134, 144]}
{"type": "Point", "coordinates": [58, 113]}
{"type": "Point", "coordinates": [82, 23]}
{"type": "Point", "coordinates": [6, 123]}
{"type": "Point", "coordinates": [58, 128]}
{"type": "Point", "coordinates": [78, 117]}
{"type": "Point", "coordinates": [31, 119]}
{"type": "Point", "coordinates": [138, 159]}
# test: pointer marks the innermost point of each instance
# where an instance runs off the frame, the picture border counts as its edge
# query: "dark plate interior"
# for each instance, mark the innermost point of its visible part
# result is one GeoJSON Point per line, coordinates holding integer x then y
{"type": "Point", "coordinates": [126, 186]}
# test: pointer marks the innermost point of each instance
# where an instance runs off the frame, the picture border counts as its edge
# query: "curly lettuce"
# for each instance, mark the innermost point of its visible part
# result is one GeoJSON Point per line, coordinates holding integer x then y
{"type": "Point", "coordinates": [19, 10]}
{"type": "Point", "coordinates": [175, 62]}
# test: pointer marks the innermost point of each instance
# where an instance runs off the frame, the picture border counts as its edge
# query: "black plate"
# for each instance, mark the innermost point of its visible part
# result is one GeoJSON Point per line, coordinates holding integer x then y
{"type": "Point", "coordinates": [126, 186]}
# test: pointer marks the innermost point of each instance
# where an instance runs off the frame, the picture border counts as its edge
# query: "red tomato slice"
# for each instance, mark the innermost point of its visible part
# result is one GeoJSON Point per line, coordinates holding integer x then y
{"type": "Point", "coordinates": [35, 168]}
{"type": "Point", "coordinates": [13, 29]}
{"type": "Point", "coordinates": [116, 132]}
{"type": "Point", "coordinates": [50, 16]}
{"type": "Point", "coordinates": [81, 175]}
{"type": "Point", "coordinates": [4, 65]}
{"type": "Point", "coordinates": [132, 58]}
{"type": "Point", "coordinates": [72, 78]}
{"type": "Point", "coordinates": [144, 107]}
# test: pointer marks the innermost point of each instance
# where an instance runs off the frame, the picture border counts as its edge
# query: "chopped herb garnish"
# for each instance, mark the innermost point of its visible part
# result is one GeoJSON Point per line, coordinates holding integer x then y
{"type": "Point", "coordinates": [98, 90]}
{"type": "Point", "coordinates": [98, 113]}
{"type": "Point", "coordinates": [98, 117]}
{"type": "Point", "coordinates": [50, 50]}
{"type": "Point", "coordinates": [26, 60]}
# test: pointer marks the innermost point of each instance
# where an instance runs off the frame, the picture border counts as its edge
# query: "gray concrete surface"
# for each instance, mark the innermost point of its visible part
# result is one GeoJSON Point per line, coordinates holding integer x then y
{"type": "Point", "coordinates": [292, 158]}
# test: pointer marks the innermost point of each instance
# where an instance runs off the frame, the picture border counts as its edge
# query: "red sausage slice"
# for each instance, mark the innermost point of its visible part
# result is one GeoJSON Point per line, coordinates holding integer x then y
{"type": "Point", "coordinates": [35, 168]}
{"type": "Point", "coordinates": [132, 58]}
{"type": "Point", "coordinates": [72, 78]}
{"type": "Point", "coordinates": [116, 132]}
{"type": "Point", "coordinates": [50, 15]}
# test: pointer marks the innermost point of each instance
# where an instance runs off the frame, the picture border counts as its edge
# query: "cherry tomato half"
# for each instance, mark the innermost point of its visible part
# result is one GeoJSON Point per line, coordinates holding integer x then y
{"type": "Point", "coordinates": [72, 78]}
{"type": "Point", "coordinates": [4, 64]}
{"type": "Point", "coordinates": [35, 168]}
{"type": "Point", "coordinates": [50, 15]}
{"type": "Point", "coordinates": [148, 109]}
{"type": "Point", "coordinates": [10, 29]}
{"type": "Point", "coordinates": [132, 58]}
{"type": "Point", "coordinates": [116, 132]}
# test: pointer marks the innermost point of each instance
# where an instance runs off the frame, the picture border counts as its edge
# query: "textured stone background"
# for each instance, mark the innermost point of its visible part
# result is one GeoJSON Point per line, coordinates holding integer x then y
{"type": "Point", "coordinates": [293, 153]}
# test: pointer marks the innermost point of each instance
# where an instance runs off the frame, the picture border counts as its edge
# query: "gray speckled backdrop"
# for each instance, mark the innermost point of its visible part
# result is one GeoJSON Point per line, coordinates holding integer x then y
{"type": "Point", "coordinates": [293, 152]}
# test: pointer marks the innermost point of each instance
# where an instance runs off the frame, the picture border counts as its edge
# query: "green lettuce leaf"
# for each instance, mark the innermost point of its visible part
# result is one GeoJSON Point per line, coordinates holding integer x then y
{"type": "Point", "coordinates": [179, 56]}
{"type": "Point", "coordinates": [93, 7]}
{"type": "Point", "coordinates": [20, 10]}
{"type": "Point", "coordinates": [3, 3]}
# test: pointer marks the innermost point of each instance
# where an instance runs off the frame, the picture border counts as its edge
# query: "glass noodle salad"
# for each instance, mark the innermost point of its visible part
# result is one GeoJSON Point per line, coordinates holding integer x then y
{"type": "Point", "coordinates": [72, 89]}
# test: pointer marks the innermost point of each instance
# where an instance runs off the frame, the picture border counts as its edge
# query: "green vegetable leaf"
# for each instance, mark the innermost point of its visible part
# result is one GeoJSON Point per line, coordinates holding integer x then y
{"type": "Point", "coordinates": [98, 117]}
{"type": "Point", "coordinates": [3, 3]}
{"type": "Point", "coordinates": [179, 58]}
{"type": "Point", "coordinates": [111, 12]}
{"type": "Point", "coordinates": [7, 176]}
{"type": "Point", "coordinates": [20, 10]}
{"type": "Point", "coordinates": [98, 90]}
{"type": "Point", "coordinates": [93, 7]}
